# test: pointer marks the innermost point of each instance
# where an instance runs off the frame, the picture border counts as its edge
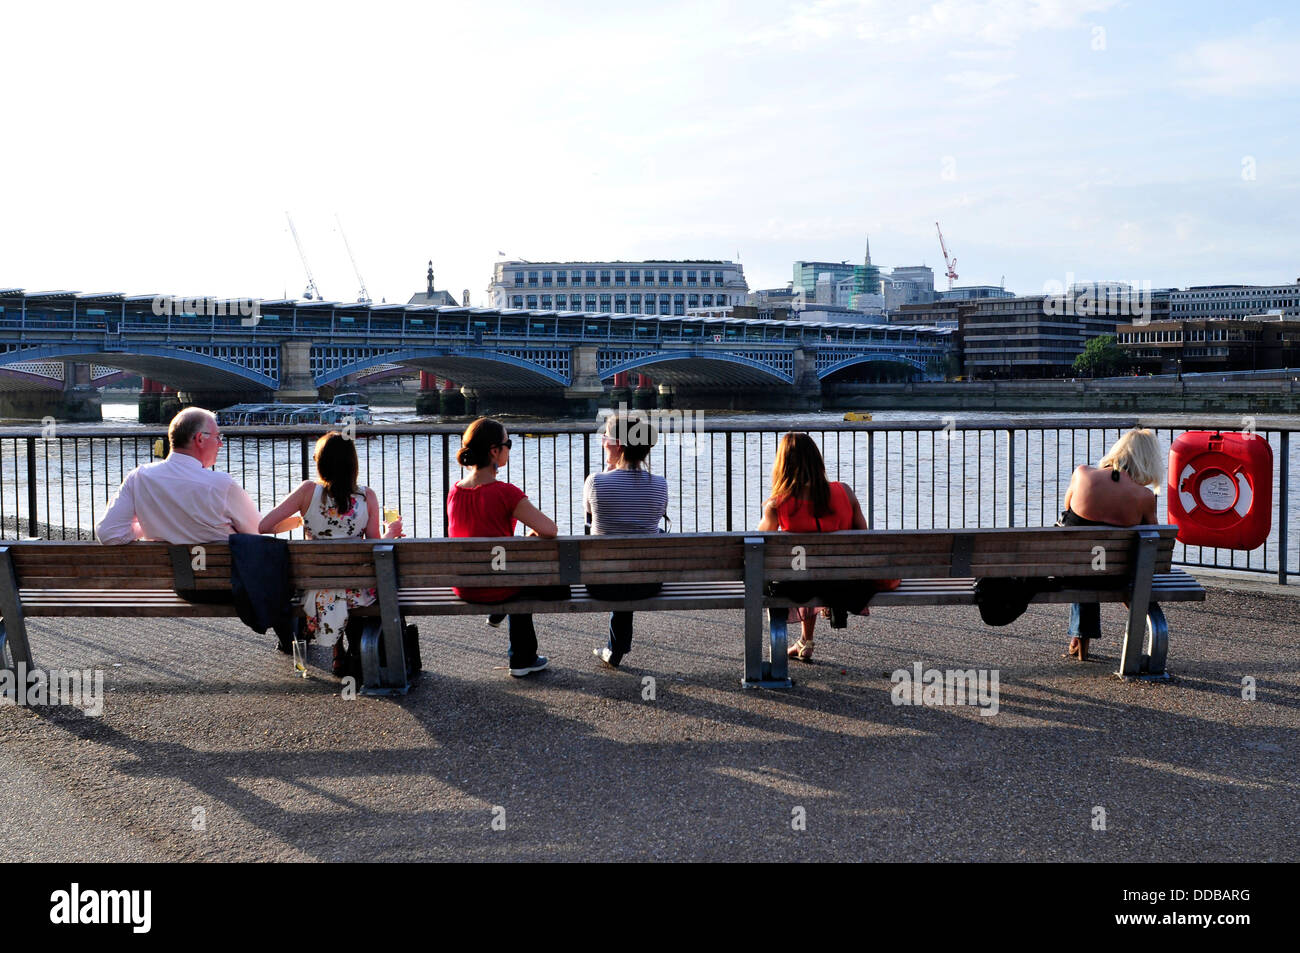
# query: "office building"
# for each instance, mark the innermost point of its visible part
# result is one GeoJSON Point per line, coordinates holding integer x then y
{"type": "Point", "coordinates": [1027, 337]}
{"type": "Point", "coordinates": [973, 293]}
{"type": "Point", "coordinates": [618, 287]}
{"type": "Point", "coordinates": [806, 274]}
{"type": "Point", "coordinates": [908, 285]}
{"type": "Point", "coordinates": [1213, 302]}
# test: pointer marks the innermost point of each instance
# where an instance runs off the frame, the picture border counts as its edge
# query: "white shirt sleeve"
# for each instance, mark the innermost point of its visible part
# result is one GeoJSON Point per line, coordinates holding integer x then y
{"type": "Point", "coordinates": [588, 493]}
{"type": "Point", "coordinates": [244, 516]}
{"type": "Point", "coordinates": [119, 524]}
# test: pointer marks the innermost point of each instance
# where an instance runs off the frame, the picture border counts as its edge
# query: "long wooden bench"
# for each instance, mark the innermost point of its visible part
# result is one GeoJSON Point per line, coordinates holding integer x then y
{"type": "Point", "coordinates": [698, 571]}
{"type": "Point", "coordinates": [1091, 563]}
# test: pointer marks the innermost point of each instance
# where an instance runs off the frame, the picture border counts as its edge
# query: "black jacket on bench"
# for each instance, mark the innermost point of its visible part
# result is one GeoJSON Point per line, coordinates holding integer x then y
{"type": "Point", "coordinates": [262, 584]}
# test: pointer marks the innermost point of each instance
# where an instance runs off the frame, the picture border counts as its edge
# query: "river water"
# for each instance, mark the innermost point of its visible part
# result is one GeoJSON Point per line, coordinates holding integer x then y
{"type": "Point", "coordinates": [905, 478]}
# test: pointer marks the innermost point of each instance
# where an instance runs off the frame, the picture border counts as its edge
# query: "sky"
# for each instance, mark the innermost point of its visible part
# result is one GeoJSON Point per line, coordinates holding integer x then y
{"type": "Point", "coordinates": [155, 148]}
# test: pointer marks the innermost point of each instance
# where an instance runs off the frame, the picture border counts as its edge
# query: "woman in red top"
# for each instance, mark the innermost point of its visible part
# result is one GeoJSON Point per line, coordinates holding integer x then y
{"type": "Point", "coordinates": [803, 501]}
{"type": "Point", "coordinates": [481, 505]}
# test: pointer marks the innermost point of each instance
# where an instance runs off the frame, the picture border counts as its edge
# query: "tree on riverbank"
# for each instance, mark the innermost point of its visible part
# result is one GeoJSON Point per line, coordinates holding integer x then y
{"type": "Point", "coordinates": [1101, 357]}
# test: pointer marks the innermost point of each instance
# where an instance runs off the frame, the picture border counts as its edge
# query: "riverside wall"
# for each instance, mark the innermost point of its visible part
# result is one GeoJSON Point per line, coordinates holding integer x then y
{"type": "Point", "coordinates": [1137, 395]}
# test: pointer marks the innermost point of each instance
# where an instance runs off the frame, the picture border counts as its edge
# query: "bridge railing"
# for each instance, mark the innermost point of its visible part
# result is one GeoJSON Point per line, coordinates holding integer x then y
{"type": "Point", "coordinates": [56, 484]}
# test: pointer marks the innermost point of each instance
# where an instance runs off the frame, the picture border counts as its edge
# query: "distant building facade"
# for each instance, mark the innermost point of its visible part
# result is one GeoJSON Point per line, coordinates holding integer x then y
{"type": "Point", "coordinates": [806, 274]}
{"type": "Point", "coordinates": [908, 284]}
{"type": "Point", "coordinates": [618, 287]}
{"type": "Point", "coordinates": [1017, 337]}
{"type": "Point", "coordinates": [1213, 302]}
{"type": "Point", "coordinates": [973, 293]}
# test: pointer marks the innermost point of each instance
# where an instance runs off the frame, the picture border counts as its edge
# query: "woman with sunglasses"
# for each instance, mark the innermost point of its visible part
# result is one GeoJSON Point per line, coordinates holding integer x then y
{"type": "Point", "coordinates": [481, 505]}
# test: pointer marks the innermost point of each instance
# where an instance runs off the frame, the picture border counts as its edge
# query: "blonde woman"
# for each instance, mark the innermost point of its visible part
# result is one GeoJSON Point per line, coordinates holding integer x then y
{"type": "Point", "coordinates": [1114, 493]}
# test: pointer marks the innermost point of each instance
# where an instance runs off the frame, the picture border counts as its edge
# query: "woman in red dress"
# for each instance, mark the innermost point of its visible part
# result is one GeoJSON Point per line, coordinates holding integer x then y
{"type": "Point", "coordinates": [481, 505]}
{"type": "Point", "coordinates": [803, 501]}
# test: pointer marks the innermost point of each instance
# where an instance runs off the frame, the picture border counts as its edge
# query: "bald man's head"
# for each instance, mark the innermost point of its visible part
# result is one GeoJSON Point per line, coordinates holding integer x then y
{"type": "Point", "coordinates": [188, 424]}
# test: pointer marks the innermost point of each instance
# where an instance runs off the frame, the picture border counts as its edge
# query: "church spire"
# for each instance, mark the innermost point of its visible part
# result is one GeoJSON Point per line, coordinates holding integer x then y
{"type": "Point", "coordinates": [430, 276]}
{"type": "Point", "coordinates": [868, 261]}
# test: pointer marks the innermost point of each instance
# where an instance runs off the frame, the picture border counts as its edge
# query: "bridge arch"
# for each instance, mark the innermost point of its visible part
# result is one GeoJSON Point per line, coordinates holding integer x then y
{"type": "Point", "coordinates": [514, 368]}
{"type": "Point", "coordinates": [195, 366]}
{"type": "Point", "coordinates": [690, 366]}
{"type": "Point", "coordinates": [872, 357]}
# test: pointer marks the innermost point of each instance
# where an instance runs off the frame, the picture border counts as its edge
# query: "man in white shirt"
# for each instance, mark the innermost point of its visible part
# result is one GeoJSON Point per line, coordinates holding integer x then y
{"type": "Point", "coordinates": [179, 500]}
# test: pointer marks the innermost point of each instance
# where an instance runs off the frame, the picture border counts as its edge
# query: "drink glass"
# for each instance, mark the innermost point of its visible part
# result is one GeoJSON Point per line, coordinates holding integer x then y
{"type": "Point", "coordinates": [300, 657]}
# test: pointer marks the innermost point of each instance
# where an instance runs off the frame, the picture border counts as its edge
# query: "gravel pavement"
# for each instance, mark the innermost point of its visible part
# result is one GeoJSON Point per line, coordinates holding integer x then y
{"type": "Point", "coordinates": [209, 749]}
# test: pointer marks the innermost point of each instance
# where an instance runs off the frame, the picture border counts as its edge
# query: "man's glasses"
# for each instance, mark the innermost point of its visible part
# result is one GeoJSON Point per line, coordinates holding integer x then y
{"type": "Point", "coordinates": [214, 436]}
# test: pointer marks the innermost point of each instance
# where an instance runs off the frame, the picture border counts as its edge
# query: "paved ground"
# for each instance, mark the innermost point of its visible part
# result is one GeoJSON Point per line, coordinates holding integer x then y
{"type": "Point", "coordinates": [206, 715]}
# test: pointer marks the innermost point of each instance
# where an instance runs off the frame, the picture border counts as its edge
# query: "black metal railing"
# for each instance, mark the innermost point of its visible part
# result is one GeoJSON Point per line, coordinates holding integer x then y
{"type": "Point", "coordinates": [55, 483]}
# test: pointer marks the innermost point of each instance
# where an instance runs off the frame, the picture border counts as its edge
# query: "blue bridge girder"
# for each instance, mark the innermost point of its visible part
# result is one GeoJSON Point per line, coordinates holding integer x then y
{"type": "Point", "coordinates": [210, 343]}
{"type": "Point", "coordinates": [216, 366]}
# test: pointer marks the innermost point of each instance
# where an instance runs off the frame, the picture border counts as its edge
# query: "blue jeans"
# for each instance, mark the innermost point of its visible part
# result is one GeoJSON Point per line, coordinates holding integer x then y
{"type": "Point", "coordinates": [1085, 620]}
{"type": "Point", "coordinates": [620, 623]}
{"type": "Point", "coordinates": [523, 637]}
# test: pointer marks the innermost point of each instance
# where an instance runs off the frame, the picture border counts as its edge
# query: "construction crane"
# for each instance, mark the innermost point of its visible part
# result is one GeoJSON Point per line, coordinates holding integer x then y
{"type": "Point", "coordinates": [364, 297]}
{"type": "Point", "coordinates": [951, 263]}
{"type": "Point", "coordinates": [312, 291]}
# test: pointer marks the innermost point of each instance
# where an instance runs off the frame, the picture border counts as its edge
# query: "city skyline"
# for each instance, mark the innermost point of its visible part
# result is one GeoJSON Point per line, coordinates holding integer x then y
{"type": "Point", "coordinates": [1083, 136]}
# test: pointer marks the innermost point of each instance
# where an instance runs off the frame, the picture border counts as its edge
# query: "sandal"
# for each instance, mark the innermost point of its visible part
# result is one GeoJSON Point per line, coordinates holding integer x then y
{"type": "Point", "coordinates": [801, 650]}
{"type": "Point", "coordinates": [1078, 649]}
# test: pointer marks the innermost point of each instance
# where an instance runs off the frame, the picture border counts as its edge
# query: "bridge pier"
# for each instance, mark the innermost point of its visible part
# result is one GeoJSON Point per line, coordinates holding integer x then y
{"type": "Point", "coordinates": [169, 405]}
{"type": "Point", "coordinates": [426, 402]}
{"type": "Point", "coordinates": [76, 402]}
{"type": "Point", "coordinates": [645, 396]}
{"type": "Point", "coordinates": [72, 406]}
{"type": "Point", "coordinates": [451, 401]}
{"type": "Point", "coordinates": [297, 385]}
{"type": "Point", "coordinates": [150, 407]}
{"type": "Point", "coordinates": [583, 397]}
{"type": "Point", "coordinates": [620, 394]}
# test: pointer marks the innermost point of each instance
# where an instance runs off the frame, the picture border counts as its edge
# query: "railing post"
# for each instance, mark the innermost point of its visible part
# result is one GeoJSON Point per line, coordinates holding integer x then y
{"type": "Point", "coordinates": [586, 472]}
{"type": "Point", "coordinates": [1284, 479]}
{"type": "Point", "coordinates": [304, 456]}
{"type": "Point", "coordinates": [1011, 478]}
{"type": "Point", "coordinates": [726, 436]}
{"type": "Point", "coordinates": [871, 481]}
{"type": "Point", "coordinates": [446, 480]}
{"type": "Point", "coordinates": [31, 487]}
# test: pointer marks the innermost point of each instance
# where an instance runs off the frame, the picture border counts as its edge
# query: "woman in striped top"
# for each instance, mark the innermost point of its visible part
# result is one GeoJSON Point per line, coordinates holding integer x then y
{"type": "Point", "coordinates": [625, 500]}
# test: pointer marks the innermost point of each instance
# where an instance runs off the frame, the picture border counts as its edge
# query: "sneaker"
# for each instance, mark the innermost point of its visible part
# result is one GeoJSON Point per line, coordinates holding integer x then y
{"type": "Point", "coordinates": [495, 620]}
{"type": "Point", "coordinates": [607, 656]}
{"type": "Point", "coordinates": [536, 665]}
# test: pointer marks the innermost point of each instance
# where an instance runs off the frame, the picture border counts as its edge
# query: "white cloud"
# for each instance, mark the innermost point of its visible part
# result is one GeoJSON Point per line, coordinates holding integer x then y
{"type": "Point", "coordinates": [996, 22]}
{"type": "Point", "coordinates": [979, 80]}
{"type": "Point", "coordinates": [1240, 65]}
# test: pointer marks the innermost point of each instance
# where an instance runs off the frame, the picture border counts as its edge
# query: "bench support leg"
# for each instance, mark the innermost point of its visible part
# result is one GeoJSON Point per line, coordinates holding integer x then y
{"type": "Point", "coordinates": [14, 649]}
{"type": "Point", "coordinates": [1146, 621]}
{"type": "Point", "coordinates": [386, 676]}
{"type": "Point", "coordinates": [1156, 647]}
{"type": "Point", "coordinates": [778, 639]}
{"type": "Point", "coordinates": [759, 674]}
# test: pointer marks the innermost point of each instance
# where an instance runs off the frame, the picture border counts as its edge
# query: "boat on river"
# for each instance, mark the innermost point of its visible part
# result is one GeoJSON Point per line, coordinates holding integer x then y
{"type": "Point", "coordinates": [344, 408]}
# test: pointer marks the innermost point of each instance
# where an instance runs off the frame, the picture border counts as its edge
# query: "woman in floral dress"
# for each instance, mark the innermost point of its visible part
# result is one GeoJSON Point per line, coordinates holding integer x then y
{"type": "Point", "coordinates": [333, 507]}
